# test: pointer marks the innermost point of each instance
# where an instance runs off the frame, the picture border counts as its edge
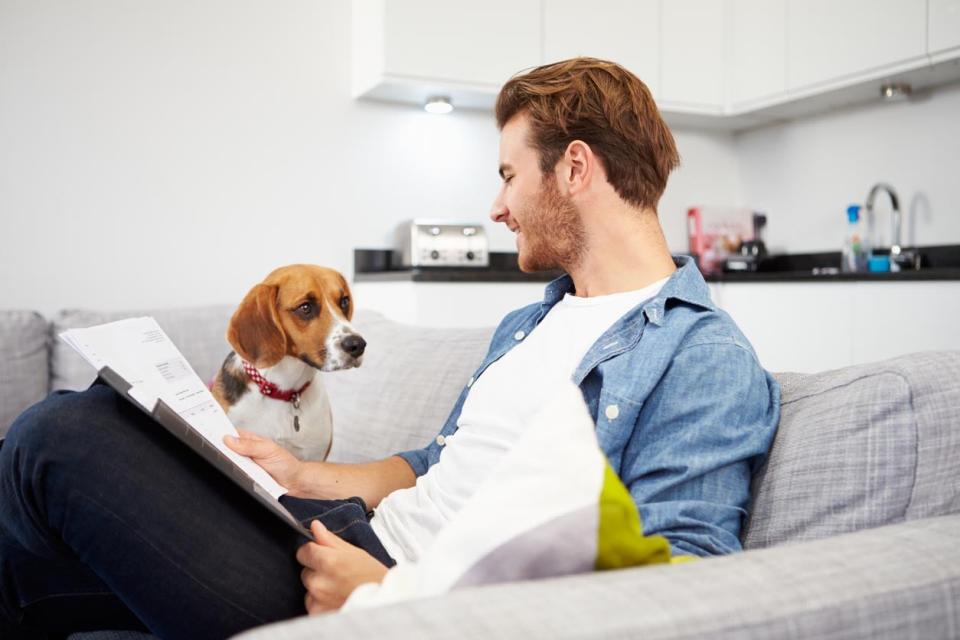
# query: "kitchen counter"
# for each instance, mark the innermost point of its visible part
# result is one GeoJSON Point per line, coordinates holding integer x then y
{"type": "Point", "coordinates": [376, 265]}
{"type": "Point", "coordinates": [940, 263]}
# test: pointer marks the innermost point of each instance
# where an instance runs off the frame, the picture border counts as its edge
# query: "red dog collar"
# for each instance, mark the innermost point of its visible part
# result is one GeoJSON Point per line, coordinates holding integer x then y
{"type": "Point", "coordinates": [271, 390]}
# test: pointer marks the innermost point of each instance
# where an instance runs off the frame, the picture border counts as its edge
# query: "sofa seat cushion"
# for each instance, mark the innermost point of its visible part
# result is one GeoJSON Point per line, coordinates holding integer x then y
{"type": "Point", "coordinates": [25, 373]}
{"type": "Point", "coordinates": [860, 447]}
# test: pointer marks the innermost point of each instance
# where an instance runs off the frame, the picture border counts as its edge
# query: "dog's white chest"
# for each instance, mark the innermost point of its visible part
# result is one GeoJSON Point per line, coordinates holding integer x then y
{"type": "Point", "coordinates": [279, 419]}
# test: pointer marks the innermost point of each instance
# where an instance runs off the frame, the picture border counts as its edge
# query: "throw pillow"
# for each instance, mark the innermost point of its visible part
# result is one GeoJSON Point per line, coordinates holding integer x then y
{"type": "Point", "coordinates": [553, 506]}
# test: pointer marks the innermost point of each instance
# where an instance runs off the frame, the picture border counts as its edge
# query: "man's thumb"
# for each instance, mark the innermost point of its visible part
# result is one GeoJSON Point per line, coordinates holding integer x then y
{"type": "Point", "coordinates": [245, 445]}
{"type": "Point", "coordinates": [322, 535]}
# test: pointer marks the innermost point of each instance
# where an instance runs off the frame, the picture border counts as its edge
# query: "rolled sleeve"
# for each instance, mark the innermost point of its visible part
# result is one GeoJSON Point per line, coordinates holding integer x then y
{"type": "Point", "coordinates": [418, 459]}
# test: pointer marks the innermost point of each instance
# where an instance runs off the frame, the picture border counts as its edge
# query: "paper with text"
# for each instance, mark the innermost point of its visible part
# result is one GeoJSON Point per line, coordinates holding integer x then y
{"type": "Point", "coordinates": [142, 354]}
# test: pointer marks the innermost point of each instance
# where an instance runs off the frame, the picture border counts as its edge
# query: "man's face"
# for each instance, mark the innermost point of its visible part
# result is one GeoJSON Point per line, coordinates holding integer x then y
{"type": "Point", "coordinates": [549, 230]}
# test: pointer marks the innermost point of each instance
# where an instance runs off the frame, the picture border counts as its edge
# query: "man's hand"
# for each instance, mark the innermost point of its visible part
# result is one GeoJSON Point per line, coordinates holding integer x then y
{"type": "Point", "coordinates": [333, 568]}
{"type": "Point", "coordinates": [277, 461]}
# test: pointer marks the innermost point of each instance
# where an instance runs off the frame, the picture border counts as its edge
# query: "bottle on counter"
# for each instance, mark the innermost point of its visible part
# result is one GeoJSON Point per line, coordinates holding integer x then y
{"type": "Point", "coordinates": [853, 256]}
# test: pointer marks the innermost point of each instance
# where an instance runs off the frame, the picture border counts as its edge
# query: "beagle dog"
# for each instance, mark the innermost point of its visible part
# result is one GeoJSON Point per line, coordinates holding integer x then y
{"type": "Point", "coordinates": [288, 328]}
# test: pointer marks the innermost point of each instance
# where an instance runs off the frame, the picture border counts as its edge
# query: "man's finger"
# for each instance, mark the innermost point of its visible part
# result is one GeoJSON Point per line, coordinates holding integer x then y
{"type": "Point", "coordinates": [323, 536]}
{"type": "Point", "coordinates": [249, 446]}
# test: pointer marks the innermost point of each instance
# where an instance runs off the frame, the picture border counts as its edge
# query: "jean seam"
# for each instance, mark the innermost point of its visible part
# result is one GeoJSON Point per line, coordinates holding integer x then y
{"type": "Point", "coordinates": [347, 526]}
{"type": "Point", "coordinates": [50, 596]}
{"type": "Point", "coordinates": [306, 521]}
{"type": "Point", "coordinates": [169, 561]}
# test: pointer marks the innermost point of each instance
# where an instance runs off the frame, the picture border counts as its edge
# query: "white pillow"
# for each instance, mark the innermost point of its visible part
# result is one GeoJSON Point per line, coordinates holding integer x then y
{"type": "Point", "coordinates": [553, 506]}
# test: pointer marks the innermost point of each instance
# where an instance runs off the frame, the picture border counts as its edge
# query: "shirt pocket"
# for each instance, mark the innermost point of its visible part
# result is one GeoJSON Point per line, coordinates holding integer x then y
{"type": "Point", "coordinates": [616, 419]}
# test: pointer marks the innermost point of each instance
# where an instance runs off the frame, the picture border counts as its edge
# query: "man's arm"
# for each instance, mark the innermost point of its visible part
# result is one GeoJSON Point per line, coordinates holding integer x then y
{"type": "Point", "coordinates": [700, 434]}
{"type": "Point", "coordinates": [372, 481]}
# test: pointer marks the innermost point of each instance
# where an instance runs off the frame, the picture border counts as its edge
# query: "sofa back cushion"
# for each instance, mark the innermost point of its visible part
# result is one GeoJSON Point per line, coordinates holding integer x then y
{"type": "Point", "coordinates": [25, 374]}
{"type": "Point", "coordinates": [861, 447]}
{"type": "Point", "coordinates": [410, 379]}
{"type": "Point", "coordinates": [200, 333]}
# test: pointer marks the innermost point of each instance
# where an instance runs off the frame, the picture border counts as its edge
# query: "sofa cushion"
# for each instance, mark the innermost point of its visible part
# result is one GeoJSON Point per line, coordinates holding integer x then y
{"type": "Point", "coordinates": [200, 333]}
{"type": "Point", "coordinates": [25, 374]}
{"type": "Point", "coordinates": [861, 447]}
{"type": "Point", "coordinates": [410, 379]}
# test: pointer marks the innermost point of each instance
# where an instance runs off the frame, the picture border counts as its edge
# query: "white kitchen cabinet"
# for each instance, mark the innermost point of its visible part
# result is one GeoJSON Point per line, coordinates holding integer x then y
{"type": "Point", "coordinates": [893, 318]}
{"type": "Point", "coordinates": [727, 64]}
{"type": "Point", "coordinates": [813, 326]}
{"type": "Point", "coordinates": [943, 28]}
{"type": "Point", "coordinates": [407, 50]}
{"type": "Point", "coordinates": [625, 31]}
{"type": "Point", "coordinates": [833, 41]}
{"type": "Point", "coordinates": [757, 45]}
{"type": "Point", "coordinates": [692, 56]}
{"type": "Point", "coordinates": [794, 326]}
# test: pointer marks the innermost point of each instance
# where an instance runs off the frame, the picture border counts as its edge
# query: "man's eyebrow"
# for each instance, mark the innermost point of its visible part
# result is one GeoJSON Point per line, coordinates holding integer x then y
{"type": "Point", "coordinates": [504, 168]}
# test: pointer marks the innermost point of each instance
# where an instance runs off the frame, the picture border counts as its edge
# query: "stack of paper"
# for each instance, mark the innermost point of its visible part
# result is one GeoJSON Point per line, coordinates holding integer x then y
{"type": "Point", "coordinates": [141, 353]}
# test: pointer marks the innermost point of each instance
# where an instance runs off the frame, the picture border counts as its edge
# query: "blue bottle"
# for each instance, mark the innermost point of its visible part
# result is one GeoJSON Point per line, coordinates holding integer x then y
{"type": "Point", "coordinates": [853, 254]}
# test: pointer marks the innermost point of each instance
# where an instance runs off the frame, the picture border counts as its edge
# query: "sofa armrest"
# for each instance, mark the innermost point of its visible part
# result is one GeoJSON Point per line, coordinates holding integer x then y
{"type": "Point", "coordinates": [890, 582]}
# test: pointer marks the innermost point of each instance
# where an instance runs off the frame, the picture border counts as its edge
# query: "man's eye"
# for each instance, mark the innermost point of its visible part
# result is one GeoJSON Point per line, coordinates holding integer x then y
{"type": "Point", "coordinates": [345, 303]}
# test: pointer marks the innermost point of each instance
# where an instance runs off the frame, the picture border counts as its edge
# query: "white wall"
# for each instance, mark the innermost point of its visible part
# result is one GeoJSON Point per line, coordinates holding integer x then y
{"type": "Point", "coordinates": [806, 172]}
{"type": "Point", "coordinates": [172, 153]}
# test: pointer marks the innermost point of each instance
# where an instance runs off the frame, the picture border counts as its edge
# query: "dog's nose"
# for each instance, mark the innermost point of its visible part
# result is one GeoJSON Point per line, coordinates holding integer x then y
{"type": "Point", "coordinates": [354, 345]}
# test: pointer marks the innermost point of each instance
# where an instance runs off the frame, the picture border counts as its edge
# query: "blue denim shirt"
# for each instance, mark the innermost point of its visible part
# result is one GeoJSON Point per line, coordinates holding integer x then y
{"type": "Point", "coordinates": [696, 412]}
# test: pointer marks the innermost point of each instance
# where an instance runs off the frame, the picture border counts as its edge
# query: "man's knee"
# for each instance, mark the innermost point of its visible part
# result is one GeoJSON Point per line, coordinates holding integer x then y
{"type": "Point", "coordinates": [61, 422]}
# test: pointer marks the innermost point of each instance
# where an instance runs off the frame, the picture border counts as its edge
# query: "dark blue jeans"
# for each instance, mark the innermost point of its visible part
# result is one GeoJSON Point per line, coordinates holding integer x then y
{"type": "Point", "coordinates": [109, 522]}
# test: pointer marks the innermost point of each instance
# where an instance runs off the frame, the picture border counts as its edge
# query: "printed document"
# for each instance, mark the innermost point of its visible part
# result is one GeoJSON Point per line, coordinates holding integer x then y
{"type": "Point", "coordinates": [141, 353]}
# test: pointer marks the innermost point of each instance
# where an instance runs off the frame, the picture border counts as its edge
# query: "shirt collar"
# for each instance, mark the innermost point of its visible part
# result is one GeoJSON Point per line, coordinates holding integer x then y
{"type": "Point", "coordinates": [685, 284]}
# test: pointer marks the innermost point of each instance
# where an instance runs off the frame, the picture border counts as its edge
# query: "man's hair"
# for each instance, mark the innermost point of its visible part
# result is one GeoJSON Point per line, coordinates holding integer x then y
{"type": "Point", "coordinates": [605, 106]}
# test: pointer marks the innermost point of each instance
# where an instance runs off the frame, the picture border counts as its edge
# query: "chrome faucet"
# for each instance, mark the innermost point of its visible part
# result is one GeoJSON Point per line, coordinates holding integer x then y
{"type": "Point", "coordinates": [898, 257]}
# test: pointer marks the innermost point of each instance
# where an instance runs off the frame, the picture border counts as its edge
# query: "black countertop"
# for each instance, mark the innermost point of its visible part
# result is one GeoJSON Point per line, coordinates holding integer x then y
{"type": "Point", "coordinates": [939, 263]}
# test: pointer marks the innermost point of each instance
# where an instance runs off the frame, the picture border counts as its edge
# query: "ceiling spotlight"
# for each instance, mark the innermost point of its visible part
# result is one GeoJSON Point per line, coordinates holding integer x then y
{"type": "Point", "coordinates": [438, 104]}
{"type": "Point", "coordinates": [895, 91]}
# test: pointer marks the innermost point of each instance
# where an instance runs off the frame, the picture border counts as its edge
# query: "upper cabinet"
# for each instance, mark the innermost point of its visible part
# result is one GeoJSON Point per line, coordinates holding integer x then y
{"type": "Point", "coordinates": [691, 56]}
{"type": "Point", "coordinates": [633, 39]}
{"type": "Point", "coordinates": [407, 50]}
{"type": "Point", "coordinates": [835, 40]}
{"type": "Point", "coordinates": [726, 64]}
{"type": "Point", "coordinates": [943, 28]}
{"type": "Point", "coordinates": [757, 68]}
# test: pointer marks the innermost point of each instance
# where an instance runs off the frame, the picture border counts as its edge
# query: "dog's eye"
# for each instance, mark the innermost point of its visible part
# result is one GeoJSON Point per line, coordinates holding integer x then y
{"type": "Point", "coordinates": [306, 310]}
{"type": "Point", "coordinates": [345, 303]}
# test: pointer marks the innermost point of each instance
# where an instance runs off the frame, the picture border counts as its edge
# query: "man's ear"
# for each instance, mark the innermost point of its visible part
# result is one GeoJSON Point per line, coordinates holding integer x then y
{"type": "Point", "coordinates": [578, 164]}
{"type": "Point", "coordinates": [255, 331]}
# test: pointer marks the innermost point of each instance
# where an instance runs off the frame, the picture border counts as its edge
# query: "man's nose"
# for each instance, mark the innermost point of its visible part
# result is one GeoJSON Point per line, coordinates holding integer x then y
{"type": "Point", "coordinates": [354, 345]}
{"type": "Point", "coordinates": [499, 211]}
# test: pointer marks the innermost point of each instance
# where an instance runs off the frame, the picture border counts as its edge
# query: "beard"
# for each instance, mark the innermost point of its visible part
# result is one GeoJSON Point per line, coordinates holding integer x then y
{"type": "Point", "coordinates": [552, 231]}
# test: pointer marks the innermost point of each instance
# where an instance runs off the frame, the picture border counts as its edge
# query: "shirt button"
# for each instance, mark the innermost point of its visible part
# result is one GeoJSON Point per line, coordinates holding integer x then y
{"type": "Point", "coordinates": [441, 440]}
{"type": "Point", "coordinates": [612, 411]}
{"type": "Point", "coordinates": [519, 335]}
{"type": "Point", "coordinates": [470, 381]}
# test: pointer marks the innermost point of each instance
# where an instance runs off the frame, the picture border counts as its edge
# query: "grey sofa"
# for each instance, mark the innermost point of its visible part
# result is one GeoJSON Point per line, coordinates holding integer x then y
{"type": "Point", "coordinates": [854, 531]}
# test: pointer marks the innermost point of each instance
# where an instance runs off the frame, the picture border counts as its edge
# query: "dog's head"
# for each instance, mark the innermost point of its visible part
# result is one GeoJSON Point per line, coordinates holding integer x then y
{"type": "Point", "coordinates": [300, 310]}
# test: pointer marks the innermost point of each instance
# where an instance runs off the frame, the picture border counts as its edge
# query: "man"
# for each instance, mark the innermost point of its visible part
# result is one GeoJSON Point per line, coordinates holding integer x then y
{"type": "Point", "coordinates": [105, 520]}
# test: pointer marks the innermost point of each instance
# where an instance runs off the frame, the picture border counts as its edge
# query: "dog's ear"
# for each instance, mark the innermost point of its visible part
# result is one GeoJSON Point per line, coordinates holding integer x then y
{"type": "Point", "coordinates": [255, 331]}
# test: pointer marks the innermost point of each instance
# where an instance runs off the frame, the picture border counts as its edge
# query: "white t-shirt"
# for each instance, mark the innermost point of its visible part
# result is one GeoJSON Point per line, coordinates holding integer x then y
{"type": "Point", "coordinates": [494, 414]}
